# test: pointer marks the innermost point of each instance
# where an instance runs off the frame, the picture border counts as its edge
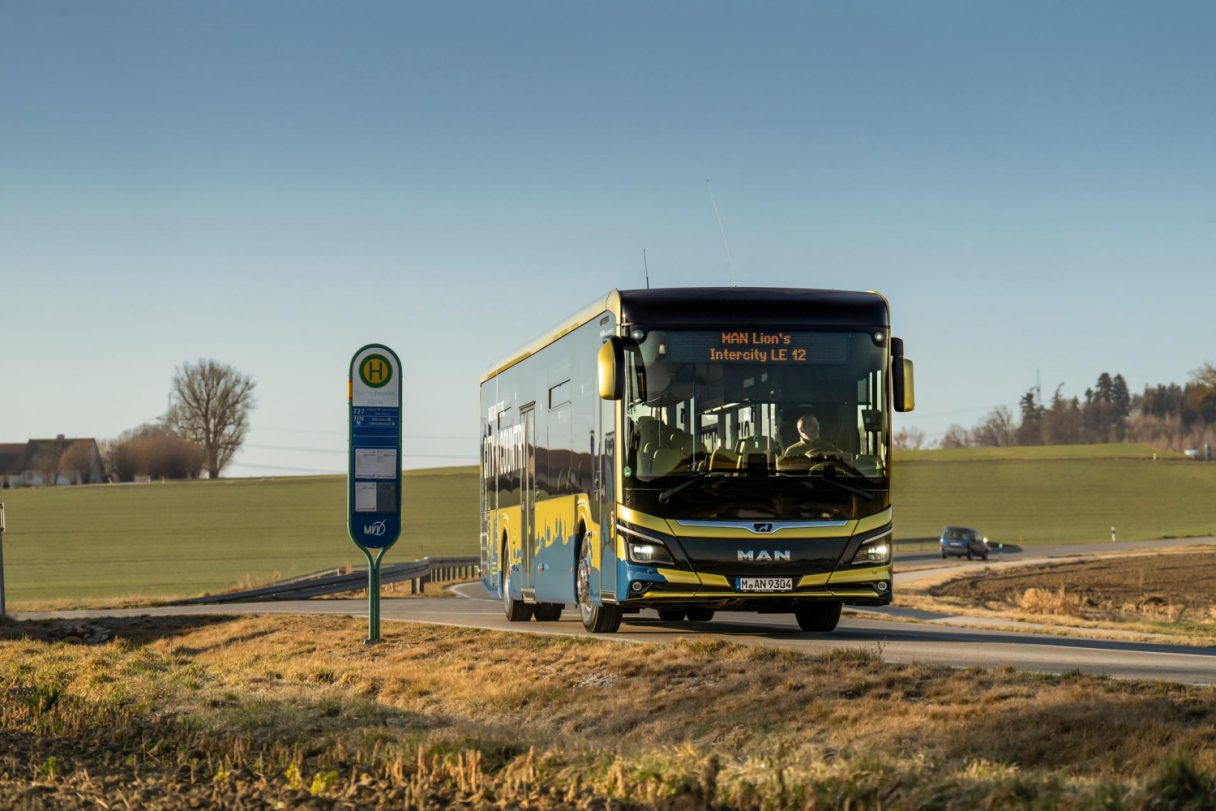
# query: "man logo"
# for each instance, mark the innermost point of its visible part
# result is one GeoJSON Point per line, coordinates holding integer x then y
{"type": "Point", "coordinates": [762, 529]}
{"type": "Point", "coordinates": [764, 554]}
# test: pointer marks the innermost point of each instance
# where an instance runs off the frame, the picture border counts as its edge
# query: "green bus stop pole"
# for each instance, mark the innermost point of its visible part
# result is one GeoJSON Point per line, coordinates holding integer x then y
{"type": "Point", "coordinates": [373, 594]}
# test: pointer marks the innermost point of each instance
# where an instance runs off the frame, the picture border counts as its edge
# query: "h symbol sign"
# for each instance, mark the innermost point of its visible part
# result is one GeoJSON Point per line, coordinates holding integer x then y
{"type": "Point", "coordinates": [375, 371]}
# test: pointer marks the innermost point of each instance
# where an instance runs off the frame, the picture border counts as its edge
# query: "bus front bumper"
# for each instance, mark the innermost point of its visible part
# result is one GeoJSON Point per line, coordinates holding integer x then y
{"type": "Point", "coordinates": [655, 587]}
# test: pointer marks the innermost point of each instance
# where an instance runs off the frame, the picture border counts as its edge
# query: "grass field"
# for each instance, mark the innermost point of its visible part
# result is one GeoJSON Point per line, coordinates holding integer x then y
{"type": "Point", "coordinates": [1038, 453]}
{"type": "Point", "coordinates": [113, 541]}
{"type": "Point", "coordinates": [1067, 494]}
{"type": "Point", "coordinates": [296, 712]}
{"type": "Point", "coordinates": [110, 542]}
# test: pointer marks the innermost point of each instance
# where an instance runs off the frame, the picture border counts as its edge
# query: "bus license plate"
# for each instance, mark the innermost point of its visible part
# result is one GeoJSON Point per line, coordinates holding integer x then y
{"type": "Point", "coordinates": [766, 584]}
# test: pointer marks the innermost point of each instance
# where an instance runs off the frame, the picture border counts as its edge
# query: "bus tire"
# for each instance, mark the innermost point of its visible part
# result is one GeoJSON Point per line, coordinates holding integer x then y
{"type": "Point", "coordinates": [820, 617]}
{"type": "Point", "coordinates": [547, 612]}
{"type": "Point", "coordinates": [516, 610]}
{"type": "Point", "coordinates": [671, 614]}
{"type": "Point", "coordinates": [700, 614]}
{"type": "Point", "coordinates": [598, 619]}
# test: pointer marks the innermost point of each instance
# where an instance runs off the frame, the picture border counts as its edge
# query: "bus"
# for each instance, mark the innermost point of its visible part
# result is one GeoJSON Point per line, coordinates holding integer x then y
{"type": "Point", "coordinates": [693, 450]}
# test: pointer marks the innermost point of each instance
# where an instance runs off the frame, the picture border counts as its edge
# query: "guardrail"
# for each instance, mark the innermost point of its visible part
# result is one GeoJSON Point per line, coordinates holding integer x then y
{"type": "Point", "coordinates": [336, 581]}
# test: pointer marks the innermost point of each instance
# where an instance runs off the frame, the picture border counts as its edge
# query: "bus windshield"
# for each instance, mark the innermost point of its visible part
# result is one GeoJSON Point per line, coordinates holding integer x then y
{"type": "Point", "coordinates": [769, 424]}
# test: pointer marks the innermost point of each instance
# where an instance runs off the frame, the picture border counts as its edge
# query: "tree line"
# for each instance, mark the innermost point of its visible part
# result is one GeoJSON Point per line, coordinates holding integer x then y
{"type": "Point", "coordinates": [203, 429]}
{"type": "Point", "coordinates": [1165, 416]}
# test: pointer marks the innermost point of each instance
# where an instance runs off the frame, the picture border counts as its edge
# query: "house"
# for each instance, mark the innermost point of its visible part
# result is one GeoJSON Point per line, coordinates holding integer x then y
{"type": "Point", "coordinates": [50, 461]}
{"type": "Point", "coordinates": [10, 452]}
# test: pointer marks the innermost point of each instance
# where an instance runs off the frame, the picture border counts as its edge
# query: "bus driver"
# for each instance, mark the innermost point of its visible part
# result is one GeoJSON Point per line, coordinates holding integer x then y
{"type": "Point", "coordinates": [811, 445]}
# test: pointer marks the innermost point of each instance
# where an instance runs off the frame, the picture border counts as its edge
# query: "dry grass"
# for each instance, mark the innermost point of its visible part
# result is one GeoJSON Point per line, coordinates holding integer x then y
{"type": "Point", "coordinates": [1168, 592]}
{"type": "Point", "coordinates": [259, 711]}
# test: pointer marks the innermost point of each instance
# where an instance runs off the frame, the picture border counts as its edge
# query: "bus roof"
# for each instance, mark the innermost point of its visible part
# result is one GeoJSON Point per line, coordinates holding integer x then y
{"type": "Point", "coordinates": [753, 306]}
{"type": "Point", "coordinates": [609, 303]}
{"type": "Point", "coordinates": [701, 306]}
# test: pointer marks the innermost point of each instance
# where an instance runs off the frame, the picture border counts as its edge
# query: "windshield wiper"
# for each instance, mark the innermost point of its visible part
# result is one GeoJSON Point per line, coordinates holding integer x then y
{"type": "Point", "coordinates": [847, 488]}
{"type": "Point", "coordinates": [666, 495]}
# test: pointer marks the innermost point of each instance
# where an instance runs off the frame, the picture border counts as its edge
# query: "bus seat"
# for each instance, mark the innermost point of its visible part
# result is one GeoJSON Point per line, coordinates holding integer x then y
{"type": "Point", "coordinates": [667, 461]}
{"type": "Point", "coordinates": [756, 444]}
{"type": "Point", "coordinates": [649, 431]}
{"type": "Point", "coordinates": [722, 459]}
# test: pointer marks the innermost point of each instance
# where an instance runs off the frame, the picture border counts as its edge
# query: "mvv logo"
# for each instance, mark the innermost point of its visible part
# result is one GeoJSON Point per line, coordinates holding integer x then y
{"type": "Point", "coordinates": [764, 554]}
{"type": "Point", "coordinates": [375, 530]}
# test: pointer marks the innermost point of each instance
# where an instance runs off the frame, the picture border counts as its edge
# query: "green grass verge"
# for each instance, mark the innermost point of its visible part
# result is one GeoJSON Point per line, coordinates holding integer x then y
{"type": "Point", "coordinates": [157, 540]}
{"type": "Point", "coordinates": [184, 538]}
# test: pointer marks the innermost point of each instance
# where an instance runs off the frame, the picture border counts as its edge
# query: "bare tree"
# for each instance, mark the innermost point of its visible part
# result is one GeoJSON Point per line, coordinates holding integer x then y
{"type": "Point", "coordinates": [1205, 375]}
{"type": "Point", "coordinates": [909, 439]}
{"type": "Point", "coordinates": [80, 462]}
{"type": "Point", "coordinates": [155, 450]}
{"type": "Point", "coordinates": [957, 437]}
{"type": "Point", "coordinates": [211, 405]}
{"type": "Point", "coordinates": [46, 459]}
{"type": "Point", "coordinates": [997, 429]}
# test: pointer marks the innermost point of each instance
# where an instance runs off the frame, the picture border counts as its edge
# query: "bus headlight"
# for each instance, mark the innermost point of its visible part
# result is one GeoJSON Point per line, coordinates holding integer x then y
{"type": "Point", "coordinates": [648, 552]}
{"type": "Point", "coordinates": [874, 552]}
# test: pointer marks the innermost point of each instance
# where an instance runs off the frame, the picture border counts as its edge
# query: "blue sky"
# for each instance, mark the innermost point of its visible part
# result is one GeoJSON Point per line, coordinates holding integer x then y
{"type": "Point", "coordinates": [272, 185]}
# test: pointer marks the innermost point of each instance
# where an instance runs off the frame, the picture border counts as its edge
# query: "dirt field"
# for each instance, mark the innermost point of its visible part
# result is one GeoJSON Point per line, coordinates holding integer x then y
{"type": "Point", "coordinates": [1173, 587]}
{"type": "Point", "coordinates": [297, 712]}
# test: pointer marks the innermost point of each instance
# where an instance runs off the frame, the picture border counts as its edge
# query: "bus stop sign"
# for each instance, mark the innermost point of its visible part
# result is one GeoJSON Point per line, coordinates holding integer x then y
{"type": "Point", "coordinates": [373, 494]}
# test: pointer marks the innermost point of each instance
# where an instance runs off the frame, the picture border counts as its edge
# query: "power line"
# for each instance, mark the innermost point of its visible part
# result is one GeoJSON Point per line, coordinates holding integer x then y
{"type": "Point", "coordinates": [326, 471]}
{"type": "Point", "coordinates": [469, 455]}
{"type": "Point", "coordinates": [460, 437]}
{"type": "Point", "coordinates": [288, 448]}
{"type": "Point", "coordinates": [284, 467]}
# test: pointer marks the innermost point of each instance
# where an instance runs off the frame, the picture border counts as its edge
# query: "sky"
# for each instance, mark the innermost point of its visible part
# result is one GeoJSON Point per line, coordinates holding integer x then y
{"type": "Point", "coordinates": [273, 185]}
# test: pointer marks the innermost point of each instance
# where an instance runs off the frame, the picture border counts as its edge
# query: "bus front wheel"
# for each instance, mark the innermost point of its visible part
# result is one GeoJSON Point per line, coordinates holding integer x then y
{"type": "Point", "coordinates": [820, 617]}
{"type": "Point", "coordinates": [598, 619]}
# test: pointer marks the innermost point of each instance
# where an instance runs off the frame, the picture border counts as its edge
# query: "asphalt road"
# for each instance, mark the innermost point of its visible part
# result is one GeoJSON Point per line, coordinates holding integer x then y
{"type": "Point", "coordinates": [919, 554]}
{"type": "Point", "coordinates": [895, 640]}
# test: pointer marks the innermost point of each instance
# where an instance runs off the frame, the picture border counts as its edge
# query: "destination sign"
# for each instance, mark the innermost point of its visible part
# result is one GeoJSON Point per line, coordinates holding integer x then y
{"type": "Point", "coordinates": [757, 346]}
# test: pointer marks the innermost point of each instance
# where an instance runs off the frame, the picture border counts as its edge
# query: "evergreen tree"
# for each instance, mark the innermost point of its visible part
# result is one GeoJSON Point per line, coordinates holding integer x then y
{"type": "Point", "coordinates": [1030, 432]}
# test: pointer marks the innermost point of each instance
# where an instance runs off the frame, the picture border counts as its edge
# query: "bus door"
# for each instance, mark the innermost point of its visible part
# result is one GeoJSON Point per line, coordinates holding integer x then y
{"type": "Point", "coordinates": [607, 473]}
{"type": "Point", "coordinates": [527, 496]}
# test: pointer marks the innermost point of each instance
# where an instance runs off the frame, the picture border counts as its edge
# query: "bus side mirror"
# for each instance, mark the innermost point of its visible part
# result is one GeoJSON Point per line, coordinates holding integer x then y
{"type": "Point", "coordinates": [903, 387]}
{"type": "Point", "coordinates": [611, 366]}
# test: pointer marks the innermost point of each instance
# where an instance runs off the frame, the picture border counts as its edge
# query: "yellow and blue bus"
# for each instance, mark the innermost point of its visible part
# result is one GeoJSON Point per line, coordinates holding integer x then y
{"type": "Point", "coordinates": [695, 450]}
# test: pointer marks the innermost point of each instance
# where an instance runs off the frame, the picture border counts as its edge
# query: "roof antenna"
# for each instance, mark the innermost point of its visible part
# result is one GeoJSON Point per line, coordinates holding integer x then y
{"type": "Point", "coordinates": [729, 259]}
{"type": "Point", "coordinates": [646, 267]}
